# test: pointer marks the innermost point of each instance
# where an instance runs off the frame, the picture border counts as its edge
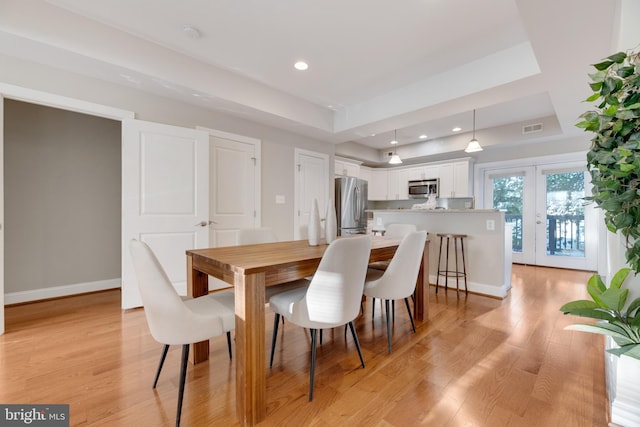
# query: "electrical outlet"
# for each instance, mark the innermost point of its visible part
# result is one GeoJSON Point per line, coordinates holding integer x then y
{"type": "Point", "coordinates": [491, 225]}
{"type": "Point", "coordinates": [280, 199]}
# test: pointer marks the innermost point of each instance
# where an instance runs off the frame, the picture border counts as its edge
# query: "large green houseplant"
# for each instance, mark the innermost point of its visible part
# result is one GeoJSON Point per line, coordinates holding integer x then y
{"type": "Point", "coordinates": [614, 157]}
{"type": "Point", "coordinates": [614, 164]}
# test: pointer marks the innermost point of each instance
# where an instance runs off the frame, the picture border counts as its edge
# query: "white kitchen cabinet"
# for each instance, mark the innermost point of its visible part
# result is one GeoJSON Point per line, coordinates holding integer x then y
{"type": "Point", "coordinates": [344, 168]}
{"type": "Point", "coordinates": [398, 183]}
{"type": "Point", "coordinates": [365, 173]}
{"type": "Point", "coordinates": [454, 179]}
{"type": "Point", "coordinates": [422, 172]}
{"type": "Point", "coordinates": [378, 185]}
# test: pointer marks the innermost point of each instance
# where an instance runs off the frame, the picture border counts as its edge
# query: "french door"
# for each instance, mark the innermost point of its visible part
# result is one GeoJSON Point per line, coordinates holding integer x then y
{"type": "Point", "coordinates": [550, 221]}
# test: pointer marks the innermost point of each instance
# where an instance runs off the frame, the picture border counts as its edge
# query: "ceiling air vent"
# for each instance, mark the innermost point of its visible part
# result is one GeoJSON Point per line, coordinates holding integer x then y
{"type": "Point", "coordinates": [527, 129]}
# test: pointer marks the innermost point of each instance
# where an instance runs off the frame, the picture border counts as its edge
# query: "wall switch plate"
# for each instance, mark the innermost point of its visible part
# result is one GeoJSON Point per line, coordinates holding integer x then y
{"type": "Point", "coordinates": [491, 225]}
{"type": "Point", "coordinates": [280, 199]}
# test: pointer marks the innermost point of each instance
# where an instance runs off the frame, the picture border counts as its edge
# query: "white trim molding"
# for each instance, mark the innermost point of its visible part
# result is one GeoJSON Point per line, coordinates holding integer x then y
{"type": "Point", "coordinates": [60, 291]}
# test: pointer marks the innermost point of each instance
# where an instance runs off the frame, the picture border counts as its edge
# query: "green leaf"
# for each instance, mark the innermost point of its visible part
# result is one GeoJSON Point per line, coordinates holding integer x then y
{"type": "Point", "coordinates": [601, 66]}
{"type": "Point", "coordinates": [619, 278]}
{"type": "Point", "coordinates": [592, 313]}
{"type": "Point", "coordinates": [625, 72]}
{"type": "Point", "coordinates": [627, 167]}
{"type": "Point", "coordinates": [635, 304]}
{"type": "Point", "coordinates": [596, 329]}
{"type": "Point", "coordinates": [596, 282]}
{"type": "Point", "coordinates": [596, 86]}
{"type": "Point", "coordinates": [614, 298]}
{"type": "Point", "coordinates": [578, 304]}
{"type": "Point", "coordinates": [631, 350]}
{"type": "Point", "coordinates": [595, 95]}
{"type": "Point", "coordinates": [618, 57]}
{"type": "Point", "coordinates": [598, 76]}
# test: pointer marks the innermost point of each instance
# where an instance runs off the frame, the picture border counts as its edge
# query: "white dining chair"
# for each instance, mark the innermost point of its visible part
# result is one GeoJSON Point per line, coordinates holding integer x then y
{"type": "Point", "coordinates": [398, 281]}
{"type": "Point", "coordinates": [394, 230]}
{"type": "Point", "coordinates": [178, 320]}
{"type": "Point", "coordinates": [332, 298]}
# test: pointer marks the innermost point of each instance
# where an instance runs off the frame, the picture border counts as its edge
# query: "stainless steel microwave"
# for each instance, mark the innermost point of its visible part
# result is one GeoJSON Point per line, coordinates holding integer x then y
{"type": "Point", "coordinates": [421, 189]}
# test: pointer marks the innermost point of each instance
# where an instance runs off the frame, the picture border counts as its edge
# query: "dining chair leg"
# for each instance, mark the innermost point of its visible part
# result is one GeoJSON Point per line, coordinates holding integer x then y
{"type": "Point", "coordinates": [413, 325]}
{"type": "Point", "coordinates": [386, 307]}
{"type": "Point", "coordinates": [183, 376]}
{"type": "Point", "coordinates": [276, 322]}
{"type": "Point", "coordinates": [355, 339]}
{"type": "Point", "coordinates": [373, 308]}
{"type": "Point", "coordinates": [229, 345]}
{"type": "Point", "coordinates": [165, 349]}
{"type": "Point", "coordinates": [314, 336]}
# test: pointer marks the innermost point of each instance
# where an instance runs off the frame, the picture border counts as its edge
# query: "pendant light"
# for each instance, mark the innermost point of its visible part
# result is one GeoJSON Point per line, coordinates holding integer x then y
{"type": "Point", "coordinates": [395, 159]}
{"type": "Point", "coordinates": [473, 145]}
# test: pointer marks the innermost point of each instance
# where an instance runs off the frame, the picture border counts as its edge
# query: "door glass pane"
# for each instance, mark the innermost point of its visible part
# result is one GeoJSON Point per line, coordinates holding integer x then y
{"type": "Point", "coordinates": [565, 214]}
{"type": "Point", "coordinates": [507, 196]}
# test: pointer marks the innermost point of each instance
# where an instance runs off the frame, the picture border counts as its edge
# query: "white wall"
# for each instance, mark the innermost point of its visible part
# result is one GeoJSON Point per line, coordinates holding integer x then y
{"type": "Point", "coordinates": [277, 145]}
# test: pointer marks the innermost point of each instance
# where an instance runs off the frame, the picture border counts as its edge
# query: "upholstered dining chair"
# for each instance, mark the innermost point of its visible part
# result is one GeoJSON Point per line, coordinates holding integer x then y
{"type": "Point", "coordinates": [395, 230]}
{"type": "Point", "coordinates": [332, 298]}
{"type": "Point", "coordinates": [398, 281]}
{"type": "Point", "coordinates": [178, 320]}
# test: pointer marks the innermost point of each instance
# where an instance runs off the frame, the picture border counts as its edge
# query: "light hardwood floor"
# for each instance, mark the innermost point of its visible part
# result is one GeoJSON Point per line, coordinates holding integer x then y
{"type": "Point", "coordinates": [477, 362]}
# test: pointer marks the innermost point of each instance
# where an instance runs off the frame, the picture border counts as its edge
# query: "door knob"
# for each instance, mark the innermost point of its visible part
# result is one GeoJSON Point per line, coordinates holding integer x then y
{"type": "Point", "coordinates": [205, 223]}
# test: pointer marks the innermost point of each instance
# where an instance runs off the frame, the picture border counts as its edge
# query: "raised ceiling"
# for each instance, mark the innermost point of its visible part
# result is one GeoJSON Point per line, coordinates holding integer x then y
{"type": "Point", "coordinates": [419, 66]}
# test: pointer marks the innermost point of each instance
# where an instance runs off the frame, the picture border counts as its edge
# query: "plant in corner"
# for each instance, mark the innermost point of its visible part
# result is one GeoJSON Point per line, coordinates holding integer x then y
{"type": "Point", "coordinates": [608, 306]}
{"type": "Point", "coordinates": [614, 157]}
{"type": "Point", "coordinates": [614, 164]}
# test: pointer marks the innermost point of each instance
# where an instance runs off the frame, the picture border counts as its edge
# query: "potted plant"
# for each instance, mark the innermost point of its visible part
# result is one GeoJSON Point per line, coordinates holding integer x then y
{"type": "Point", "coordinates": [614, 157]}
{"type": "Point", "coordinates": [609, 306]}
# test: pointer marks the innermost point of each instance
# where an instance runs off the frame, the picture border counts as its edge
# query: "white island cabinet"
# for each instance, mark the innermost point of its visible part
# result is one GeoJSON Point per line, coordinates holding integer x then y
{"type": "Point", "coordinates": [487, 247]}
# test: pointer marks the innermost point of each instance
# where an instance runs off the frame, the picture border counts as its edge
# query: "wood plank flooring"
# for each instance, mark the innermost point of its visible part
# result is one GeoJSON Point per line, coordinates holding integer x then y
{"type": "Point", "coordinates": [477, 362]}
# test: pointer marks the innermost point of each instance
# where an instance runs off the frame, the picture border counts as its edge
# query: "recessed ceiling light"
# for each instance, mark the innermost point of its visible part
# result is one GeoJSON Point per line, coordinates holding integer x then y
{"type": "Point", "coordinates": [456, 129]}
{"type": "Point", "coordinates": [394, 142]}
{"type": "Point", "coordinates": [301, 65]}
{"type": "Point", "coordinates": [423, 136]}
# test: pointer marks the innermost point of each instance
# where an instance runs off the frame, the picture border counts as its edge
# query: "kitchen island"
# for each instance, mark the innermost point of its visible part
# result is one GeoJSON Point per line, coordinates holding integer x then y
{"type": "Point", "coordinates": [487, 246]}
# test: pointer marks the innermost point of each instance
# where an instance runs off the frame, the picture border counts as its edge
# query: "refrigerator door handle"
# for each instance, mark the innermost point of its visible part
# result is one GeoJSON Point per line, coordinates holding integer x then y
{"type": "Point", "coordinates": [356, 211]}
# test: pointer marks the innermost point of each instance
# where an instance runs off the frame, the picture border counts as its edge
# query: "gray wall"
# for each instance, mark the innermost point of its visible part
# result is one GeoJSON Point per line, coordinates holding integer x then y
{"type": "Point", "coordinates": [62, 197]}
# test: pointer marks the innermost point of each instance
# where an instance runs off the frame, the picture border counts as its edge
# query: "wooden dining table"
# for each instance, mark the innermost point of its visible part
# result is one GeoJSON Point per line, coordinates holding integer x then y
{"type": "Point", "coordinates": [250, 269]}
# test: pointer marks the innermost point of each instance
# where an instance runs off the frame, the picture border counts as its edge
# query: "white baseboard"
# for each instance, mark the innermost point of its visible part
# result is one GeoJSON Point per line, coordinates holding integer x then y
{"type": "Point", "coordinates": [477, 288]}
{"type": "Point", "coordinates": [60, 291]}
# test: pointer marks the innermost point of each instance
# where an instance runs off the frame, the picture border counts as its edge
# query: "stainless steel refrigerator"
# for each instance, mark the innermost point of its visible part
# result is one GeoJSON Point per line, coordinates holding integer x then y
{"type": "Point", "coordinates": [351, 202]}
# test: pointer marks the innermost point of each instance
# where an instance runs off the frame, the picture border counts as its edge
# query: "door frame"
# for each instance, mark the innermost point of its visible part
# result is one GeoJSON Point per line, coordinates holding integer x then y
{"type": "Point", "coordinates": [480, 171]}
{"type": "Point", "coordinates": [18, 93]}
{"type": "Point", "coordinates": [297, 186]}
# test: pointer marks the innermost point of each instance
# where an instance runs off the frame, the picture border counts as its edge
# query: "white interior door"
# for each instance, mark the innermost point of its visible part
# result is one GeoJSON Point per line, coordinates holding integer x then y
{"type": "Point", "coordinates": [165, 198]}
{"type": "Point", "coordinates": [235, 186]}
{"type": "Point", "coordinates": [311, 181]}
